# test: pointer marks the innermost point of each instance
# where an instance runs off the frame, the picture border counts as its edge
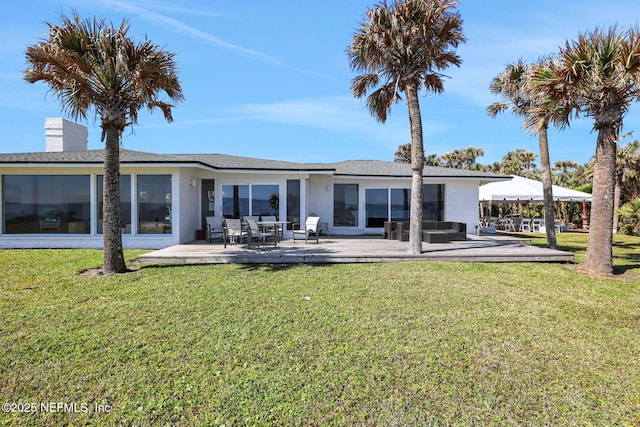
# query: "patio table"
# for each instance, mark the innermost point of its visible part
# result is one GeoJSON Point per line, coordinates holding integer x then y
{"type": "Point", "coordinates": [273, 225]}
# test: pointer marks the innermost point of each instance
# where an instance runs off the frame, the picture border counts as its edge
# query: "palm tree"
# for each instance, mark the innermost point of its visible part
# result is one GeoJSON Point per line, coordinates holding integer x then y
{"type": "Point", "coordinates": [453, 159]}
{"type": "Point", "coordinates": [629, 215]}
{"type": "Point", "coordinates": [565, 168]}
{"type": "Point", "coordinates": [403, 153]}
{"type": "Point", "coordinates": [521, 161]}
{"type": "Point", "coordinates": [401, 48]}
{"type": "Point", "coordinates": [470, 156]}
{"type": "Point", "coordinates": [89, 64]}
{"type": "Point", "coordinates": [517, 85]}
{"type": "Point", "coordinates": [600, 73]}
{"type": "Point", "coordinates": [432, 160]}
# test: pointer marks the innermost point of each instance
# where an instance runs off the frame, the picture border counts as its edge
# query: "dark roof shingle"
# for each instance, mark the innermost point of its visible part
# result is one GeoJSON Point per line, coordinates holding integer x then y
{"type": "Point", "coordinates": [372, 168]}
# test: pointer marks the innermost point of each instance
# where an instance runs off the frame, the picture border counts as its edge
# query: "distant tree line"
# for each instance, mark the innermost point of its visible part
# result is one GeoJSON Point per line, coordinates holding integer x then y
{"type": "Point", "coordinates": [566, 173]}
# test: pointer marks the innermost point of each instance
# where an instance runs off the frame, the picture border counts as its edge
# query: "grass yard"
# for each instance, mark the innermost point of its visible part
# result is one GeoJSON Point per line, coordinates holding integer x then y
{"type": "Point", "coordinates": [372, 344]}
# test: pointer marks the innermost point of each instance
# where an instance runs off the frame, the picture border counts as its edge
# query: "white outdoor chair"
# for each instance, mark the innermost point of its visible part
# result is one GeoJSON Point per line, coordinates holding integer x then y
{"type": "Point", "coordinates": [214, 227]}
{"type": "Point", "coordinates": [535, 224]}
{"type": "Point", "coordinates": [233, 231]}
{"type": "Point", "coordinates": [310, 226]}
{"type": "Point", "coordinates": [525, 225]}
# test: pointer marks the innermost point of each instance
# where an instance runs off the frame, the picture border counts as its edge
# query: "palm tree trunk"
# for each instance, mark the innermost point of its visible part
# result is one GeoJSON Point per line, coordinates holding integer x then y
{"type": "Point", "coordinates": [417, 167]}
{"type": "Point", "coordinates": [112, 223]}
{"type": "Point", "coordinates": [616, 200]}
{"type": "Point", "coordinates": [547, 189]}
{"type": "Point", "coordinates": [599, 258]}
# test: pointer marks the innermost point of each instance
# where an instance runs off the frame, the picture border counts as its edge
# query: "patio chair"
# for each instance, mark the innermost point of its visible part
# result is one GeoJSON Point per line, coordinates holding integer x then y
{"type": "Point", "coordinates": [278, 229]}
{"type": "Point", "coordinates": [525, 225]}
{"type": "Point", "coordinates": [214, 227]}
{"type": "Point", "coordinates": [233, 231]}
{"type": "Point", "coordinates": [536, 223]}
{"type": "Point", "coordinates": [310, 226]}
{"type": "Point", "coordinates": [262, 238]}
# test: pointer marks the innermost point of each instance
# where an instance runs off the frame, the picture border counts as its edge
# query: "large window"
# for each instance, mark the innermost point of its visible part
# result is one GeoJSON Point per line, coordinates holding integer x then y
{"type": "Point", "coordinates": [125, 203]}
{"type": "Point", "coordinates": [376, 206]}
{"type": "Point", "coordinates": [46, 204]}
{"type": "Point", "coordinates": [235, 201]}
{"type": "Point", "coordinates": [265, 200]}
{"type": "Point", "coordinates": [154, 204]}
{"type": "Point", "coordinates": [433, 202]}
{"type": "Point", "coordinates": [400, 204]}
{"type": "Point", "coordinates": [345, 205]}
{"type": "Point", "coordinates": [378, 201]}
{"type": "Point", "coordinates": [293, 203]}
{"type": "Point", "coordinates": [239, 201]}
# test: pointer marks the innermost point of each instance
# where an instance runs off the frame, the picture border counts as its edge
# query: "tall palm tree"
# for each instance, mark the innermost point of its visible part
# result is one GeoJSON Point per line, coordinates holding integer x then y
{"type": "Point", "coordinates": [517, 85]}
{"type": "Point", "coordinates": [401, 48]}
{"type": "Point", "coordinates": [91, 65]}
{"type": "Point", "coordinates": [600, 72]}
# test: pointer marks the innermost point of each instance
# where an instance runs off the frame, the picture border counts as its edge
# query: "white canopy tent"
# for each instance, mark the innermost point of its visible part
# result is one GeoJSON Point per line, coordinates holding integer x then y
{"type": "Point", "coordinates": [520, 189]}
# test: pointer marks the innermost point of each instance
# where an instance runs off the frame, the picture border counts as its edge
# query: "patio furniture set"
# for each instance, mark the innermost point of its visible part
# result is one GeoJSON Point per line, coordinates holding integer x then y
{"type": "Point", "coordinates": [432, 231]}
{"type": "Point", "coordinates": [257, 232]}
{"type": "Point", "coordinates": [517, 223]}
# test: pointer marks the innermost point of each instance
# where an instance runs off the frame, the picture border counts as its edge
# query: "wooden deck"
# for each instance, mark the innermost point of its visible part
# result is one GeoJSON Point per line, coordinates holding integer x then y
{"type": "Point", "coordinates": [361, 249]}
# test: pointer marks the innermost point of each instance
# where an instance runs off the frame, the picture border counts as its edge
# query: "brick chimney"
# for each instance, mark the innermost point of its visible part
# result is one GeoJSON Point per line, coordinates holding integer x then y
{"type": "Point", "coordinates": [64, 135]}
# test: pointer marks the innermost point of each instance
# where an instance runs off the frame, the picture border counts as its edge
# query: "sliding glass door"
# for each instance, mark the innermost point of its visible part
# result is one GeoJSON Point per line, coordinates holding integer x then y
{"type": "Point", "coordinates": [376, 207]}
{"type": "Point", "coordinates": [394, 204]}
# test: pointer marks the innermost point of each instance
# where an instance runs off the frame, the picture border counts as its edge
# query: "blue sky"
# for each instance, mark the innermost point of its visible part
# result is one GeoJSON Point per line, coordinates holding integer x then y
{"type": "Point", "coordinates": [272, 79]}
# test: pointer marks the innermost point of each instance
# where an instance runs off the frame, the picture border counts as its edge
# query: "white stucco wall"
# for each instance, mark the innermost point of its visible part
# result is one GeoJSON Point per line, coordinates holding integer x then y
{"type": "Point", "coordinates": [461, 203]}
{"type": "Point", "coordinates": [186, 194]}
{"type": "Point", "coordinates": [64, 135]}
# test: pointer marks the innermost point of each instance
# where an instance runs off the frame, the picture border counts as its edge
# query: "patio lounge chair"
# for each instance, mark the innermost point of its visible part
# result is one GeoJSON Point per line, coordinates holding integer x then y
{"type": "Point", "coordinates": [310, 226]}
{"type": "Point", "coordinates": [233, 231]}
{"type": "Point", "coordinates": [214, 227]}
{"type": "Point", "coordinates": [260, 237]}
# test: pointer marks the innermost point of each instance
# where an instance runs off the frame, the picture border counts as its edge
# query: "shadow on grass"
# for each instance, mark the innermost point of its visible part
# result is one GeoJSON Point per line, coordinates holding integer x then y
{"type": "Point", "coordinates": [280, 267]}
{"type": "Point", "coordinates": [244, 266]}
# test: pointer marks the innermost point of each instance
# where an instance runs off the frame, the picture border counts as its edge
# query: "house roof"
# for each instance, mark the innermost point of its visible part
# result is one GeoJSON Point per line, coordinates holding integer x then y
{"type": "Point", "coordinates": [395, 169]}
{"type": "Point", "coordinates": [371, 168]}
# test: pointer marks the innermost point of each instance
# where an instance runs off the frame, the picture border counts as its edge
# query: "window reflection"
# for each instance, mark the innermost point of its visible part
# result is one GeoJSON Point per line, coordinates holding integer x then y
{"type": "Point", "coordinates": [345, 205]}
{"type": "Point", "coordinates": [154, 204]}
{"type": "Point", "coordinates": [125, 202]}
{"type": "Point", "coordinates": [46, 204]}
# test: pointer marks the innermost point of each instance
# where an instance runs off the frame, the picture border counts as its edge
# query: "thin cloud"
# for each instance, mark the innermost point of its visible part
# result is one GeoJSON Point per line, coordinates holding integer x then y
{"type": "Point", "coordinates": [176, 9]}
{"type": "Point", "coordinates": [181, 27]}
{"type": "Point", "coordinates": [333, 113]}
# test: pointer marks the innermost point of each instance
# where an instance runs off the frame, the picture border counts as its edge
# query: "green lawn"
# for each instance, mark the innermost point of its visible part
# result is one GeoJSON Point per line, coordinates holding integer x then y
{"type": "Point", "coordinates": [376, 344]}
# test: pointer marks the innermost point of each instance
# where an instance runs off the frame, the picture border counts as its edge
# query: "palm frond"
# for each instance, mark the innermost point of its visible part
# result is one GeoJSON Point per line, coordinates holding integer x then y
{"type": "Point", "coordinates": [407, 43]}
{"type": "Point", "coordinates": [90, 64]}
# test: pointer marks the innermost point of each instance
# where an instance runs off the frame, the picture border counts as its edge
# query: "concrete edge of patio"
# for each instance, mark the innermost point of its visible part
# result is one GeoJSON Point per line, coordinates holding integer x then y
{"type": "Point", "coordinates": [361, 249]}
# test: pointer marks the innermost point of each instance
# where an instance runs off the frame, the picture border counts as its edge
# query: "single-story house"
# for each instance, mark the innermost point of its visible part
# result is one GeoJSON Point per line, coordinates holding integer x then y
{"type": "Point", "coordinates": [53, 199]}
